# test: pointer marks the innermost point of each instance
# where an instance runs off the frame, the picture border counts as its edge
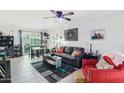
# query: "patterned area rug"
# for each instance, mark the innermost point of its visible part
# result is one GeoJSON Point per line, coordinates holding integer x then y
{"type": "Point", "coordinates": [51, 74]}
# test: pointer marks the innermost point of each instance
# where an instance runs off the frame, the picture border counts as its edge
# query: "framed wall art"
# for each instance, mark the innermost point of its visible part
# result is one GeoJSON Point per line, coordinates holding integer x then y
{"type": "Point", "coordinates": [98, 34]}
{"type": "Point", "coordinates": [71, 34]}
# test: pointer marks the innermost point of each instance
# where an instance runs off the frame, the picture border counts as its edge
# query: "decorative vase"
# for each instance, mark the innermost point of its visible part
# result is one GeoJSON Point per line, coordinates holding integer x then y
{"type": "Point", "coordinates": [91, 48]}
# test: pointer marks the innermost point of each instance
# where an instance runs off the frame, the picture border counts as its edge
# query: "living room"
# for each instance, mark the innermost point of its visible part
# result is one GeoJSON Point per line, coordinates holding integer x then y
{"type": "Point", "coordinates": [46, 43]}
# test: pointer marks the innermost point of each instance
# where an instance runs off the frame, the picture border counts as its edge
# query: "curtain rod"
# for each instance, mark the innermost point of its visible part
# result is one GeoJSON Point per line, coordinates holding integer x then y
{"type": "Point", "coordinates": [32, 31]}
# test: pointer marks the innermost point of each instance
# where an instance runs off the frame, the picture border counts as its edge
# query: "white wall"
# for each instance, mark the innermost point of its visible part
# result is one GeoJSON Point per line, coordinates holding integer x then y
{"type": "Point", "coordinates": [13, 30]}
{"type": "Point", "coordinates": [58, 30]}
{"type": "Point", "coordinates": [114, 32]}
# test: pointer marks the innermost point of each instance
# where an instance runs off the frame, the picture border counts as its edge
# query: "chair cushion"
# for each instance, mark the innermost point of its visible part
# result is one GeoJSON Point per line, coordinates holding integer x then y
{"type": "Point", "coordinates": [103, 64]}
{"type": "Point", "coordinates": [88, 66]}
{"type": "Point", "coordinates": [116, 57]}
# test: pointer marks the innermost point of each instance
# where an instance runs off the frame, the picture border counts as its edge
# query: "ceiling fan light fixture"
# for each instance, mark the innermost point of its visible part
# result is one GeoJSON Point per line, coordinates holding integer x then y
{"type": "Point", "coordinates": [59, 19]}
{"type": "Point", "coordinates": [60, 16]}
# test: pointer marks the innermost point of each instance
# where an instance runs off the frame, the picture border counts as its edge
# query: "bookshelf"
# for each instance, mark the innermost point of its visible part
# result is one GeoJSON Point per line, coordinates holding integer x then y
{"type": "Point", "coordinates": [7, 41]}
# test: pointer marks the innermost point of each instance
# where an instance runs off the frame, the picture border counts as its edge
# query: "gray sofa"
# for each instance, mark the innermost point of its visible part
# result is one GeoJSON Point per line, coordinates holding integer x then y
{"type": "Point", "coordinates": [69, 59]}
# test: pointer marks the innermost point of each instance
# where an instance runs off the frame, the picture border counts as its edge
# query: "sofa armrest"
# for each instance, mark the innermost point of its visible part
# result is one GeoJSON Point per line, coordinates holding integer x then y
{"type": "Point", "coordinates": [89, 62]}
{"type": "Point", "coordinates": [78, 60]}
{"type": "Point", "coordinates": [105, 75]}
{"type": "Point", "coordinates": [79, 57]}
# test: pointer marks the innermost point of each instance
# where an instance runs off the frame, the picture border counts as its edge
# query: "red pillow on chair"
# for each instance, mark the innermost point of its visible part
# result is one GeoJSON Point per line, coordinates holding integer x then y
{"type": "Point", "coordinates": [121, 66]}
{"type": "Point", "coordinates": [108, 60]}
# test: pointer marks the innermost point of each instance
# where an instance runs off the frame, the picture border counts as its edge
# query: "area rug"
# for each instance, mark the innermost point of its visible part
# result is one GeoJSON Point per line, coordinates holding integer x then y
{"type": "Point", "coordinates": [51, 74]}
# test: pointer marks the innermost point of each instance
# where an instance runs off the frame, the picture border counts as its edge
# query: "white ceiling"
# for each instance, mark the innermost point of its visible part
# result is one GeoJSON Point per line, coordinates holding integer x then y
{"type": "Point", "coordinates": [34, 18]}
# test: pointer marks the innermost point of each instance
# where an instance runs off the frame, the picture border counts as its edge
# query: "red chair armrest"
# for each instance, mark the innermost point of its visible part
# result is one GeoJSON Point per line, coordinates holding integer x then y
{"type": "Point", "coordinates": [105, 75]}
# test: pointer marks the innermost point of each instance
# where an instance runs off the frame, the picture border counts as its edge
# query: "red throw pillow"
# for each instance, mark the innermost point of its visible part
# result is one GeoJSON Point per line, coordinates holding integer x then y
{"type": "Point", "coordinates": [108, 60]}
{"type": "Point", "coordinates": [59, 50]}
{"type": "Point", "coordinates": [120, 67]}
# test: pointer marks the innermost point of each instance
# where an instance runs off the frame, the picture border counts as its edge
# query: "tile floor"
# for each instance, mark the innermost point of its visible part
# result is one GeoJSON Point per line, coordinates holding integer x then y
{"type": "Point", "coordinates": [23, 72]}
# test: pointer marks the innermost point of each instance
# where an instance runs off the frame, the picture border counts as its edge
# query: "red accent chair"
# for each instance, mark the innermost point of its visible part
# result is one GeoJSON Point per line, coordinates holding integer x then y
{"type": "Point", "coordinates": [94, 75]}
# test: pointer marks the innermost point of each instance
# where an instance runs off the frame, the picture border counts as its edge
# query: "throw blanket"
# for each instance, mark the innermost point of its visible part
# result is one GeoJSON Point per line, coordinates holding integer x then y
{"type": "Point", "coordinates": [116, 57]}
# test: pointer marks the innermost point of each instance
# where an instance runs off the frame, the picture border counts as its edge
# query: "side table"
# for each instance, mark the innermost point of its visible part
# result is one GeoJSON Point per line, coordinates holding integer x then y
{"type": "Point", "coordinates": [79, 76]}
{"type": "Point", "coordinates": [91, 56]}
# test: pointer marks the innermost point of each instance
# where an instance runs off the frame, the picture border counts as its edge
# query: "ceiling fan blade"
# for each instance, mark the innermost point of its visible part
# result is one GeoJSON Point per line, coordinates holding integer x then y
{"type": "Point", "coordinates": [49, 17]}
{"type": "Point", "coordinates": [68, 19]}
{"type": "Point", "coordinates": [53, 11]}
{"type": "Point", "coordinates": [69, 13]}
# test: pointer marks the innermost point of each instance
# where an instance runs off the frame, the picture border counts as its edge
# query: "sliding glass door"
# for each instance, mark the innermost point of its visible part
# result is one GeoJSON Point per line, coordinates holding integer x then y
{"type": "Point", "coordinates": [30, 39]}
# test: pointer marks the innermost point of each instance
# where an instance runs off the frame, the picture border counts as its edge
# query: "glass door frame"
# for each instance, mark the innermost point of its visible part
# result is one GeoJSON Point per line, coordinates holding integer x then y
{"type": "Point", "coordinates": [22, 39]}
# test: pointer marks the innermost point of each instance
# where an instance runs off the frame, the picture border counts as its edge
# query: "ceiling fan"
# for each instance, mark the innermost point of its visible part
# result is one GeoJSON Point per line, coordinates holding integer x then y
{"type": "Point", "coordinates": [60, 15]}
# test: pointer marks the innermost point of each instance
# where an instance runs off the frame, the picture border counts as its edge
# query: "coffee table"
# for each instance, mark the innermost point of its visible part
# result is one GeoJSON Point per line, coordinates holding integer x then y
{"type": "Point", "coordinates": [52, 61]}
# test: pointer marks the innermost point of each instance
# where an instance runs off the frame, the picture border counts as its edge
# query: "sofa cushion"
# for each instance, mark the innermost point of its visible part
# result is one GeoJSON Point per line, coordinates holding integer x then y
{"type": "Point", "coordinates": [76, 53]}
{"type": "Point", "coordinates": [68, 50]}
{"type": "Point", "coordinates": [81, 49]}
{"type": "Point", "coordinates": [59, 54]}
{"type": "Point", "coordinates": [67, 56]}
